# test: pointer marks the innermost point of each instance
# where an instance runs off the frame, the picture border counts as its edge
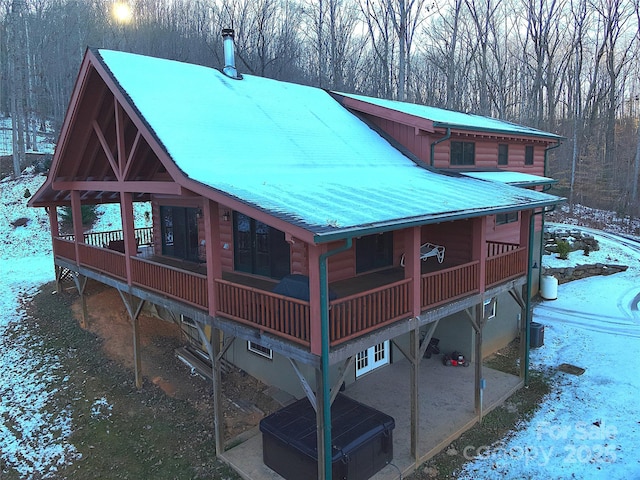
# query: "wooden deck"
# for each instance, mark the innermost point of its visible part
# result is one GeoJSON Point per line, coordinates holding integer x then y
{"type": "Point", "coordinates": [365, 303]}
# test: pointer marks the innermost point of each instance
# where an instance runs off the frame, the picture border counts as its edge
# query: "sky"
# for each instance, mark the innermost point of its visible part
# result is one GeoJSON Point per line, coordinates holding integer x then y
{"type": "Point", "coordinates": [588, 427]}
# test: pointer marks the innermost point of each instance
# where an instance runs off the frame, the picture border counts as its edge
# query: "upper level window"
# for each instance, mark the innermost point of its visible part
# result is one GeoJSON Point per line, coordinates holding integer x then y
{"type": "Point", "coordinates": [509, 217]}
{"type": "Point", "coordinates": [528, 155]}
{"type": "Point", "coordinates": [463, 153]}
{"type": "Point", "coordinates": [503, 154]}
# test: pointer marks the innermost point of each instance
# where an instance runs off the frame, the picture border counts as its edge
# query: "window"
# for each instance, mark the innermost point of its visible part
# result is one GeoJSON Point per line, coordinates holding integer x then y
{"type": "Point", "coordinates": [503, 154]}
{"type": "Point", "coordinates": [504, 218]}
{"type": "Point", "coordinates": [260, 350]}
{"type": "Point", "coordinates": [259, 249]}
{"type": "Point", "coordinates": [490, 308]}
{"type": "Point", "coordinates": [374, 251]}
{"type": "Point", "coordinates": [463, 153]}
{"type": "Point", "coordinates": [528, 155]}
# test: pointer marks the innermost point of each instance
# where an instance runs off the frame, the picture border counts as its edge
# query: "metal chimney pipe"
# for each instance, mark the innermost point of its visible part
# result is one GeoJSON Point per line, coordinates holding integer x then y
{"type": "Point", "coordinates": [229, 55]}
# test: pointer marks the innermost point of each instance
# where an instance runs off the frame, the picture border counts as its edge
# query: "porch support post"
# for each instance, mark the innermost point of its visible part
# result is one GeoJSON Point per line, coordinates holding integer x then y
{"type": "Point", "coordinates": [76, 217]}
{"type": "Point", "coordinates": [478, 321]}
{"type": "Point", "coordinates": [52, 212]}
{"type": "Point", "coordinates": [479, 249]}
{"type": "Point", "coordinates": [212, 249]}
{"type": "Point", "coordinates": [218, 421]}
{"type": "Point", "coordinates": [414, 345]}
{"type": "Point", "coordinates": [134, 307]}
{"type": "Point", "coordinates": [315, 320]}
{"type": "Point", "coordinates": [128, 231]}
{"type": "Point", "coordinates": [320, 435]}
{"type": "Point", "coordinates": [519, 297]}
{"type": "Point", "coordinates": [216, 351]}
{"type": "Point", "coordinates": [412, 241]}
{"type": "Point", "coordinates": [81, 284]}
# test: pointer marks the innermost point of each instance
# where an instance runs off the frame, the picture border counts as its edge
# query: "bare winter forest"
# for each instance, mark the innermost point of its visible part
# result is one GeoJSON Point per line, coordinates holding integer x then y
{"type": "Point", "coordinates": [567, 66]}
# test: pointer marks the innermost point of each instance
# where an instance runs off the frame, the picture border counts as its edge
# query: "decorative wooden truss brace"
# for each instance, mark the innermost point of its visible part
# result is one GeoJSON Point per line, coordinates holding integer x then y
{"type": "Point", "coordinates": [317, 402]}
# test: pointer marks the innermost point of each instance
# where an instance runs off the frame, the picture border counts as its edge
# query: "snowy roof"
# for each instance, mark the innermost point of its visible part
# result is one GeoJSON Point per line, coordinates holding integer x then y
{"type": "Point", "coordinates": [295, 152]}
{"type": "Point", "coordinates": [517, 179]}
{"type": "Point", "coordinates": [460, 120]}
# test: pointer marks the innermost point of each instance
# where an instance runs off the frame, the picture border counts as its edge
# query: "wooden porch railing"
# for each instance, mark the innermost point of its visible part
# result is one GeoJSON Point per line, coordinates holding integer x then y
{"type": "Point", "coordinates": [284, 316]}
{"type": "Point", "coordinates": [288, 317]}
{"type": "Point", "coordinates": [357, 314]}
{"type": "Point", "coordinates": [64, 248]}
{"type": "Point", "coordinates": [107, 261]}
{"type": "Point", "coordinates": [498, 248]}
{"type": "Point", "coordinates": [188, 287]}
{"type": "Point", "coordinates": [446, 285]}
{"type": "Point", "coordinates": [506, 266]}
{"type": "Point", "coordinates": [102, 239]}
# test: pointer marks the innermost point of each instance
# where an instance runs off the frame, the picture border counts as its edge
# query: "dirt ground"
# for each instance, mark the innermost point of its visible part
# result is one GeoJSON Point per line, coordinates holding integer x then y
{"type": "Point", "coordinates": [244, 400]}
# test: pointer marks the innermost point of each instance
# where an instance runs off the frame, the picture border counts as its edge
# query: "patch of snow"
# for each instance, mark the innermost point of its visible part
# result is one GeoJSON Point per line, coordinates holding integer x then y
{"type": "Point", "coordinates": [588, 426]}
{"type": "Point", "coordinates": [45, 137]}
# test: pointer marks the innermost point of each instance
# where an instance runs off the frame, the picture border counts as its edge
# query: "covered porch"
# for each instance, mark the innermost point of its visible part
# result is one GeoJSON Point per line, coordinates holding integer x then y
{"type": "Point", "coordinates": [364, 303]}
{"type": "Point", "coordinates": [446, 403]}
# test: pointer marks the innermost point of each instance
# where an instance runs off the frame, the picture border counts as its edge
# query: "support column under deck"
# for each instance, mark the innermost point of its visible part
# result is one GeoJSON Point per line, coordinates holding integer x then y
{"type": "Point", "coordinates": [134, 307]}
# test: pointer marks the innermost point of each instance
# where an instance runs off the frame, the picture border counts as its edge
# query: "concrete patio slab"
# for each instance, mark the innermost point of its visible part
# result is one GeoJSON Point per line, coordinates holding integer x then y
{"type": "Point", "coordinates": [446, 398]}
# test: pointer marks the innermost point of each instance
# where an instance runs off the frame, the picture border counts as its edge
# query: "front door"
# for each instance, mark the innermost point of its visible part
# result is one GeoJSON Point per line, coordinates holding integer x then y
{"type": "Point", "coordinates": [180, 232]}
{"type": "Point", "coordinates": [372, 358]}
{"type": "Point", "coordinates": [259, 249]}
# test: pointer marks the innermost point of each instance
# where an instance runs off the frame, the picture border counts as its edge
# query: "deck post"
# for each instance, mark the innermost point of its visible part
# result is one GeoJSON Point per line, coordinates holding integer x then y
{"type": "Point", "coordinates": [479, 250]}
{"type": "Point", "coordinates": [320, 419]}
{"type": "Point", "coordinates": [479, 381]}
{"type": "Point", "coordinates": [128, 230]}
{"type": "Point", "coordinates": [414, 341]}
{"type": "Point", "coordinates": [81, 284]}
{"type": "Point", "coordinates": [212, 251]}
{"type": "Point", "coordinates": [134, 309]}
{"type": "Point", "coordinates": [218, 422]}
{"type": "Point", "coordinates": [76, 217]}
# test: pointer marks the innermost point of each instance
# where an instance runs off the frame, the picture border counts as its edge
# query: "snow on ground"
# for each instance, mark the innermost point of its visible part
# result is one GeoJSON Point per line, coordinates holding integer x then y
{"type": "Point", "coordinates": [33, 432]}
{"type": "Point", "coordinates": [589, 425]}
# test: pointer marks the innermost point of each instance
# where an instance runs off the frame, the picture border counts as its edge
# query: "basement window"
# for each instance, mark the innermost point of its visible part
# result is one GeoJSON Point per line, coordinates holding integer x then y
{"type": "Point", "coordinates": [260, 350]}
{"type": "Point", "coordinates": [490, 308]}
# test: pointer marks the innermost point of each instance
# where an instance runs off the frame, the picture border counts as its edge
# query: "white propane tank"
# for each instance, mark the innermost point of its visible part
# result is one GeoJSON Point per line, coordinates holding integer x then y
{"type": "Point", "coordinates": [549, 287]}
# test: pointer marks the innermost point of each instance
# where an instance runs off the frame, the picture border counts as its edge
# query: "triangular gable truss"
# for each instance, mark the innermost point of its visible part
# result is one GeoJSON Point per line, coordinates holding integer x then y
{"type": "Point", "coordinates": [104, 150]}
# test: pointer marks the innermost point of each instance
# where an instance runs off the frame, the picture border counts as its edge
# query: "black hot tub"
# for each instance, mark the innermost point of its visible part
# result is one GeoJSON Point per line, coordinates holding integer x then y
{"type": "Point", "coordinates": [362, 440]}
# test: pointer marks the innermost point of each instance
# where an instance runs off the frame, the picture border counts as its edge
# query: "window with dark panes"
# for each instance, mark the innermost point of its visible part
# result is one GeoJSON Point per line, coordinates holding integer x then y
{"type": "Point", "coordinates": [528, 155]}
{"type": "Point", "coordinates": [503, 154]}
{"type": "Point", "coordinates": [259, 249]}
{"type": "Point", "coordinates": [374, 251]}
{"type": "Point", "coordinates": [462, 153]}
{"type": "Point", "coordinates": [504, 218]}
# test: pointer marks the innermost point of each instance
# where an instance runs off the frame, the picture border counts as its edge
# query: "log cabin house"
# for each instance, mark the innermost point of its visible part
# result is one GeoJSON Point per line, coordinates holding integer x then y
{"type": "Point", "coordinates": [308, 237]}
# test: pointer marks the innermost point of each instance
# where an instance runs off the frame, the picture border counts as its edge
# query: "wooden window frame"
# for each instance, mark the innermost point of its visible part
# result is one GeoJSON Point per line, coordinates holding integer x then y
{"type": "Point", "coordinates": [462, 153]}
{"type": "Point", "coordinates": [529, 155]}
{"type": "Point", "coordinates": [503, 156]}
